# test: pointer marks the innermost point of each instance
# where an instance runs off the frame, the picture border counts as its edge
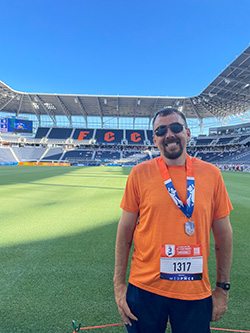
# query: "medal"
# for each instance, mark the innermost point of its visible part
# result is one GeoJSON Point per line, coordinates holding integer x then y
{"type": "Point", "coordinates": [189, 228]}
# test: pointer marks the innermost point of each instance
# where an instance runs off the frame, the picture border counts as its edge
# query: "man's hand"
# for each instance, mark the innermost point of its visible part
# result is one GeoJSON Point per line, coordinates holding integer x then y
{"type": "Point", "coordinates": [120, 297]}
{"type": "Point", "coordinates": [220, 302]}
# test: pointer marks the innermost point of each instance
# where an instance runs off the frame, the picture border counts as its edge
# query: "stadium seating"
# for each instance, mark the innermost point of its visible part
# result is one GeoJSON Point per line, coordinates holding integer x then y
{"type": "Point", "coordinates": [29, 154]}
{"type": "Point", "coordinates": [201, 141]}
{"type": "Point", "coordinates": [118, 146]}
{"type": "Point", "coordinates": [224, 141]}
{"type": "Point", "coordinates": [42, 132]}
{"type": "Point", "coordinates": [78, 155]}
{"type": "Point", "coordinates": [52, 154]}
{"type": "Point", "coordinates": [60, 133]}
{"type": "Point", "coordinates": [107, 155]}
{"type": "Point", "coordinates": [6, 156]}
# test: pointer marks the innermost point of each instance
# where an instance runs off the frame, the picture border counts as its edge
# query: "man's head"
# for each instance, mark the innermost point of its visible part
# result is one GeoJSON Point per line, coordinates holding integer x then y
{"type": "Point", "coordinates": [171, 135]}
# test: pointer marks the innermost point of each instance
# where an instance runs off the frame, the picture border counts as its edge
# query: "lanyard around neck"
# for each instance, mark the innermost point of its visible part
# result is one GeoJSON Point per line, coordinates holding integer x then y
{"type": "Point", "coordinates": [189, 207]}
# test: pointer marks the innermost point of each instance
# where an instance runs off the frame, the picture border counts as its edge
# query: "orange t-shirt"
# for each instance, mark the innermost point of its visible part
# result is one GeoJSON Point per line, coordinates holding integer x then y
{"type": "Point", "coordinates": [162, 222]}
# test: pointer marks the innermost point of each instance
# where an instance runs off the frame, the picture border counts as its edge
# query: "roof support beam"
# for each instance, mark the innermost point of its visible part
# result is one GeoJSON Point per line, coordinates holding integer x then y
{"type": "Point", "coordinates": [245, 104]}
{"type": "Point", "coordinates": [194, 107]}
{"type": "Point", "coordinates": [154, 109]}
{"type": "Point", "coordinates": [225, 78]}
{"type": "Point", "coordinates": [47, 111]}
{"type": "Point", "coordinates": [100, 109]}
{"type": "Point", "coordinates": [82, 109]}
{"type": "Point", "coordinates": [117, 106]}
{"type": "Point", "coordinates": [20, 104]}
{"type": "Point", "coordinates": [65, 110]}
{"type": "Point", "coordinates": [10, 100]}
{"type": "Point", "coordinates": [209, 108]}
{"type": "Point", "coordinates": [35, 111]}
{"type": "Point", "coordinates": [238, 92]}
{"type": "Point", "coordinates": [240, 68]}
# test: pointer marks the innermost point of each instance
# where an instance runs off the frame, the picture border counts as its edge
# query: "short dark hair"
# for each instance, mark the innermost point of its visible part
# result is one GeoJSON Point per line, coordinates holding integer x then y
{"type": "Point", "coordinates": [166, 112]}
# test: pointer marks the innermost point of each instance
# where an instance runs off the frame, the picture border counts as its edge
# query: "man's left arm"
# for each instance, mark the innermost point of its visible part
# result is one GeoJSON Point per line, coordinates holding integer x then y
{"type": "Point", "coordinates": [223, 239]}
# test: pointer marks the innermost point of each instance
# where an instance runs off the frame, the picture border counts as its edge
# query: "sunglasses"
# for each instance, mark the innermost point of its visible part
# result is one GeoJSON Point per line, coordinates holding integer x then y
{"type": "Point", "coordinates": [174, 127]}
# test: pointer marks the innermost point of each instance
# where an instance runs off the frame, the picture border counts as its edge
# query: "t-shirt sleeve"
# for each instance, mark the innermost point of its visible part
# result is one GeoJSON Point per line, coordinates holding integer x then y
{"type": "Point", "coordinates": [130, 200]}
{"type": "Point", "coordinates": [222, 201]}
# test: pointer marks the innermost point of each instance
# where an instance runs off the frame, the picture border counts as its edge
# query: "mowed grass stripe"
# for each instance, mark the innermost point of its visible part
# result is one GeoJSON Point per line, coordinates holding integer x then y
{"type": "Point", "coordinates": [57, 233]}
{"type": "Point", "coordinates": [55, 205]}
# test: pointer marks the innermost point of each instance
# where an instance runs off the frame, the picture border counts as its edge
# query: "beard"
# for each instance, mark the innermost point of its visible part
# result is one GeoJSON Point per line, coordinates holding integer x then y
{"type": "Point", "coordinates": [172, 154]}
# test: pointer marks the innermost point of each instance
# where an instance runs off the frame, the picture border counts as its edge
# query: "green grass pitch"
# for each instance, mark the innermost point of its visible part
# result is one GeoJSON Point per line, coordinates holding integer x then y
{"type": "Point", "coordinates": [57, 239]}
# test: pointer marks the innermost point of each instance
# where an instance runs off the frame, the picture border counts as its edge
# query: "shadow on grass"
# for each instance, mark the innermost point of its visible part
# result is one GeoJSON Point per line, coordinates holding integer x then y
{"type": "Point", "coordinates": [45, 285]}
{"type": "Point", "coordinates": [80, 186]}
{"type": "Point", "coordinates": [19, 174]}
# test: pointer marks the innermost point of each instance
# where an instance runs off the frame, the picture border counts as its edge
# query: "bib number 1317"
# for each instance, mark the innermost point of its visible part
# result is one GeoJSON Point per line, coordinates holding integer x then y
{"type": "Point", "coordinates": [181, 266]}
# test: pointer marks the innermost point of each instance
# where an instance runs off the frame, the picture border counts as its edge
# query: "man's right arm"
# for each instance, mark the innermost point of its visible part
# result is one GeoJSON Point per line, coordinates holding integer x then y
{"type": "Point", "coordinates": [123, 245]}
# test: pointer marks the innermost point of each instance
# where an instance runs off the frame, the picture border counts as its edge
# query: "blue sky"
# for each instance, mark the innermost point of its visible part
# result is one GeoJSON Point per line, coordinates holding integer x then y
{"type": "Point", "coordinates": [148, 48]}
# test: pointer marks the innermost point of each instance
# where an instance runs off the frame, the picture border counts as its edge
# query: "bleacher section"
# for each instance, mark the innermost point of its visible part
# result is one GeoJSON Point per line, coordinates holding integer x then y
{"type": "Point", "coordinates": [224, 141]}
{"type": "Point", "coordinates": [77, 156]}
{"type": "Point", "coordinates": [107, 155]}
{"type": "Point", "coordinates": [201, 141]}
{"type": "Point", "coordinates": [214, 157]}
{"type": "Point", "coordinates": [52, 154]}
{"type": "Point", "coordinates": [128, 153]}
{"type": "Point", "coordinates": [60, 133]}
{"type": "Point", "coordinates": [29, 154]}
{"type": "Point", "coordinates": [244, 139]}
{"type": "Point", "coordinates": [6, 156]}
{"type": "Point", "coordinates": [42, 132]}
{"type": "Point", "coordinates": [243, 158]}
{"type": "Point", "coordinates": [226, 157]}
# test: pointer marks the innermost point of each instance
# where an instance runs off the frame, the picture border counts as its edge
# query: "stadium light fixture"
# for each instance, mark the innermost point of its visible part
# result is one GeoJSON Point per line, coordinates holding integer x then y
{"type": "Point", "coordinates": [211, 95]}
{"type": "Point", "coordinates": [227, 81]}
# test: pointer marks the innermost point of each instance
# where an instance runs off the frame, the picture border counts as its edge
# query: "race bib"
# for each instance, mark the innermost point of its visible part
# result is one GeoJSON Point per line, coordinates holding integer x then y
{"type": "Point", "coordinates": [181, 262]}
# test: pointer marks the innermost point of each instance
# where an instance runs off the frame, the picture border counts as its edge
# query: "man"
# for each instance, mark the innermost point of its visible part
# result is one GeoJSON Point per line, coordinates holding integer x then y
{"type": "Point", "coordinates": [169, 207]}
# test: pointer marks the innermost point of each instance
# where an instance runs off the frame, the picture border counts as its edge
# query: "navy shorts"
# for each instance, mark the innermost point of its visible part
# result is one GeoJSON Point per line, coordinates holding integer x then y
{"type": "Point", "coordinates": [154, 311]}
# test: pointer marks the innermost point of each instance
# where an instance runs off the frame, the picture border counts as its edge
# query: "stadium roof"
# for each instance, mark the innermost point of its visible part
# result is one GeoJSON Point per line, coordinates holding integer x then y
{"type": "Point", "coordinates": [228, 94]}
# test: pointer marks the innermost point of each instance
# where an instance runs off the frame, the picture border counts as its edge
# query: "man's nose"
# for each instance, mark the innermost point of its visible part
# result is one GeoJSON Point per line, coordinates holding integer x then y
{"type": "Point", "coordinates": [169, 133]}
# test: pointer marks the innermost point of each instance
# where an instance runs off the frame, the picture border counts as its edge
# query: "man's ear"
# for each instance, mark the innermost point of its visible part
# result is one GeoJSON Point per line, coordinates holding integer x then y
{"type": "Point", "coordinates": [188, 134]}
{"type": "Point", "coordinates": [154, 140]}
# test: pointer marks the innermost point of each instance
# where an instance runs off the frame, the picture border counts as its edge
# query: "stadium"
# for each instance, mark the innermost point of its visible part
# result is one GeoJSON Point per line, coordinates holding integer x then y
{"type": "Point", "coordinates": [64, 163]}
{"type": "Point", "coordinates": [116, 130]}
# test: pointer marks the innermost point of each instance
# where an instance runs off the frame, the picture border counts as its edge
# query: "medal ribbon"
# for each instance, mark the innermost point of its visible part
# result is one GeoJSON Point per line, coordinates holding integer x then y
{"type": "Point", "coordinates": [189, 207]}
